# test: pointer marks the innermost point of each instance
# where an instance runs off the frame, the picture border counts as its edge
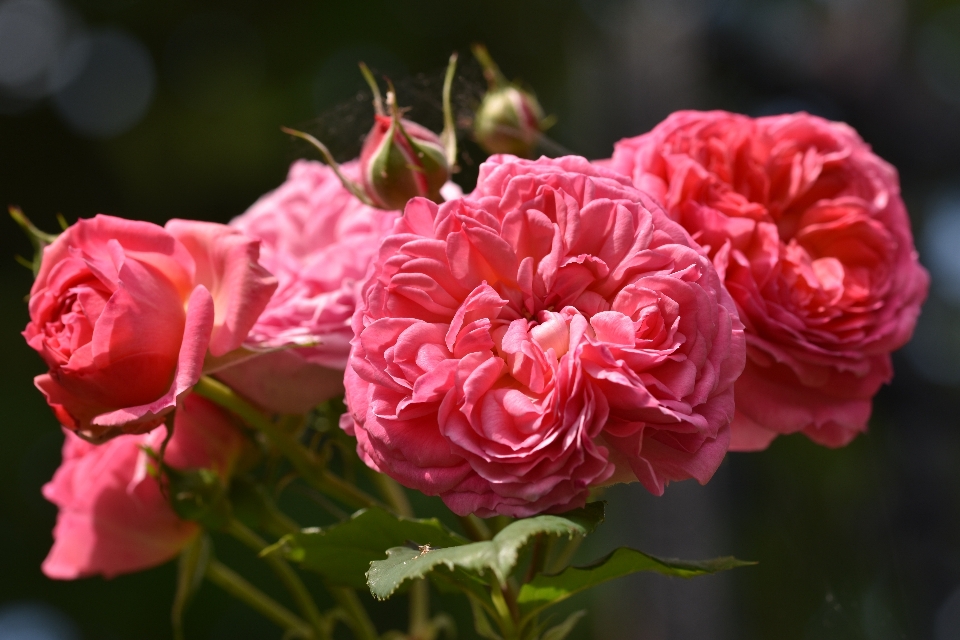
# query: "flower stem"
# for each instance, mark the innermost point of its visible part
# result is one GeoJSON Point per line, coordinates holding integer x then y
{"type": "Point", "coordinates": [299, 456]}
{"type": "Point", "coordinates": [507, 620]}
{"type": "Point", "coordinates": [393, 494]}
{"type": "Point", "coordinates": [287, 575]}
{"type": "Point", "coordinates": [475, 528]}
{"type": "Point", "coordinates": [357, 617]}
{"type": "Point", "coordinates": [419, 593]}
{"type": "Point", "coordinates": [238, 587]}
{"type": "Point", "coordinates": [559, 562]}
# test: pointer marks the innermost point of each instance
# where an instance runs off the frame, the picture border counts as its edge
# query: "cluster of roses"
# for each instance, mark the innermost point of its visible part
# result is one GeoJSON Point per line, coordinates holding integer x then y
{"type": "Point", "coordinates": [566, 325]}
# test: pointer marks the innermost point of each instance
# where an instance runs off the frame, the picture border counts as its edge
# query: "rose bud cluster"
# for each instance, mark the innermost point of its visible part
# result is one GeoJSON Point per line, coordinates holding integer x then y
{"type": "Point", "coordinates": [125, 313]}
{"type": "Point", "coordinates": [808, 228]}
{"type": "Point", "coordinates": [509, 118]}
{"type": "Point", "coordinates": [113, 516]}
{"type": "Point", "coordinates": [551, 332]}
{"type": "Point", "coordinates": [318, 240]}
{"type": "Point", "coordinates": [399, 159]}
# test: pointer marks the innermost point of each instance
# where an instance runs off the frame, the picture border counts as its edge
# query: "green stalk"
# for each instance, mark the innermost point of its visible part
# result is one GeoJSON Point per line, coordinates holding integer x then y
{"type": "Point", "coordinates": [283, 571]}
{"type": "Point", "coordinates": [475, 528]}
{"type": "Point", "coordinates": [419, 593]}
{"type": "Point", "coordinates": [563, 556]}
{"type": "Point", "coordinates": [357, 617]}
{"type": "Point", "coordinates": [393, 494]}
{"type": "Point", "coordinates": [449, 134]}
{"type": "Point", "coordinates": [239, 588]}
{"type": "Point", "coordinates": [505, 617]}
{"type": "Point", "coordinates": [299, 456]}
{"type": "Point", "coordinates": [347, 183]}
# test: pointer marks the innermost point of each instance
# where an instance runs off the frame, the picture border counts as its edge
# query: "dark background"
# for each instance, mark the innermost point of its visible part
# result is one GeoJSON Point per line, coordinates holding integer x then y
{"type": "Point", "coordinates": [154, 110]}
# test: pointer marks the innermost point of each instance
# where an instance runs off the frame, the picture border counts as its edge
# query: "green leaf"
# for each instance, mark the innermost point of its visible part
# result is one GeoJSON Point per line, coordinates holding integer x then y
{"type": "Point", "coordinates": [190, 571]}
{"type": "Point", "coordinates": [498, 555]}
{"type": "Point", "coordinates": [563, 629]}
{"type": "Point", "coordinates": [545, 590]}
{"type": "Point", "coordinates": [342, 552]}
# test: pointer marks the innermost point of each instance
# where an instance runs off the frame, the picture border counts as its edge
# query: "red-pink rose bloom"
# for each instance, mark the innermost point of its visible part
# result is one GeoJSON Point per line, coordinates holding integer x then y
{"type": "Point", "coordinates": [124, 313]}
{"type": "Point", "coordinates": [551, 332]}
{"type": "Point", "coordinates": [318, 240]}
{"type": "Point", "coordinates": [113, 517]}
{"type": "Point", "coordinates": [809, 230]}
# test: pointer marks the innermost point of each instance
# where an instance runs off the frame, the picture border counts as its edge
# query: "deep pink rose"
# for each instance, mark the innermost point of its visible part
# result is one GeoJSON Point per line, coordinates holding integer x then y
{"type": "Point", "coordinates": [809, 230]}
{"type": "Point", "coordinates": [318, 240]}
{"type": "Point", "coordinates": [551, 332]}
{"type": "Point", "coordinates": [113, 516]}
{"type": "Point", "coordinates": [124, 313]}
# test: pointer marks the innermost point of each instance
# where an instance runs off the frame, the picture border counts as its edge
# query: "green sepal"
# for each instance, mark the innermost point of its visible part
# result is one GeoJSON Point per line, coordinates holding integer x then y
{"type": "Point", "coordinates": [38, 239]}
{"type": "Point", "coordinates": [498, 556]}
{"type": "Point", "coordinates": [448, 137]}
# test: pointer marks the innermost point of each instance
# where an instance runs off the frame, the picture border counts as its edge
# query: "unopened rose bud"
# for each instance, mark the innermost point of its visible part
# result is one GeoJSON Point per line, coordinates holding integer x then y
{"type": "Point", "coordinates": [509, 119]}
{"type": "Point", "coordinates": [402, 160]}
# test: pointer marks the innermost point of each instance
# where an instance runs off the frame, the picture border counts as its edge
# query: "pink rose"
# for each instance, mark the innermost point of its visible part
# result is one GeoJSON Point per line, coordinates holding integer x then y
{"type": "Point", "coordinates": [551, 332]}
{"type": "Point", "coordinates": [124, 312]}
{"type": "Point", "coordinates": [318, 240]}
{"type": "Point", "coordinates": [809, 230]}
{"type": "Point", "coordinates": [113, 516]}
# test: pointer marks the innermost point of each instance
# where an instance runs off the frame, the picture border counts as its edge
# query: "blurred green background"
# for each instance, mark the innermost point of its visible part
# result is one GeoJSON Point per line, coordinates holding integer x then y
{"type": "Point", "coordinates": [154, 110]}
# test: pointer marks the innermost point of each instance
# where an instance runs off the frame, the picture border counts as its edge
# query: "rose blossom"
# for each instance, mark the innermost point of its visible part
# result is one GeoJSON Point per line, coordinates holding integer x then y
{"type": "Point", "coordinates": [113, 517]}
{"type": "Point", "coordinates": [809, 230]}
{"type": "Point", "coordinates": [124, 312]}
{"type": "Point", "coordinates": [551, 332]}
{"type": "Point", "coordinates": [318, 240]}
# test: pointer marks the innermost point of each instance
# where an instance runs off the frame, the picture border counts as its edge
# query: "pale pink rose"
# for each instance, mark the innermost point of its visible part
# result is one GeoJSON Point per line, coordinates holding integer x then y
{"type": "Point", "coordinates": [551, 332]}
{"type": "Point", "coordinates": [124, 313]}
{"type": "Point", "coordinates": [318, 240]}
{"type": "Point", "coordinates": [808, 227]}
{"type": "Point", "coordinates": [113, 517]}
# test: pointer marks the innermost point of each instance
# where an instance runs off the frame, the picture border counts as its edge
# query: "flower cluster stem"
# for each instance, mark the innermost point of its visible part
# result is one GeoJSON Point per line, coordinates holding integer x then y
{"type": "Point", "coordinates": [419, 594]}
{"type": "Point", "coordinates": [357, 617]}
{"type": "Point", "coordinates": [299, 456]}
{"type": "Point", "coordinates": [291, 581]}
{"type": "Point", "coordinates": [238, 587]}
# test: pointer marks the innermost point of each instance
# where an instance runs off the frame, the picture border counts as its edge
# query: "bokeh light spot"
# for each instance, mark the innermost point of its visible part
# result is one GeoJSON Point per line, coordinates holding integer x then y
{"type": "Point", "coordinates": [30, 39]}
{"type": "Point", "coordinates": [114, 88]}
{"type": "Point", "coordinates": [35, 621]}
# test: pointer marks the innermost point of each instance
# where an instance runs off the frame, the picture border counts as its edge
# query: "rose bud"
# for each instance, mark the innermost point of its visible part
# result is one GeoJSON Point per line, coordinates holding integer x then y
{"type": "Point", "coordinates": [113, 516]}
{"type": "Point", "coordinates": [401, 160]}
{"type": "Point", "coordinates": [807, 227]}
{"type": "Point", "coordinates": [552, 332]}
{"type": "Point", "coordinates": [125, 313]}
{"type": "Point", "coordinates": [509, 118]}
